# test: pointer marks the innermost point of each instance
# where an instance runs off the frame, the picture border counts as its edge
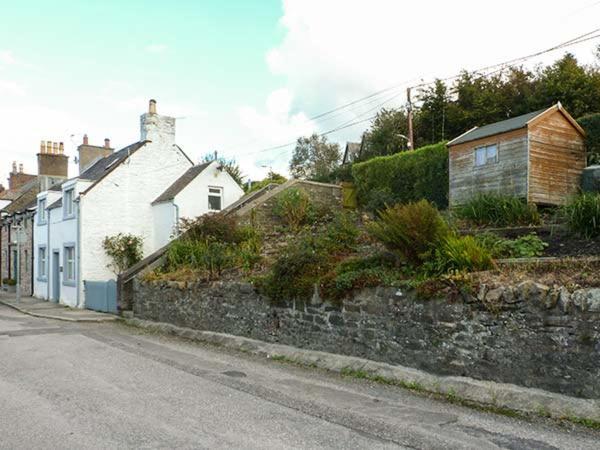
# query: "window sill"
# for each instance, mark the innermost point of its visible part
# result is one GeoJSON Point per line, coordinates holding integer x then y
{"type": "Point", "coordinates": [42, 279]}
{"type": "Point", "coordinates": [41, 224]}
{"type": "Point", "coordinates": [69, 283]}
{"type": "Point", "coordinates": [71, 217]}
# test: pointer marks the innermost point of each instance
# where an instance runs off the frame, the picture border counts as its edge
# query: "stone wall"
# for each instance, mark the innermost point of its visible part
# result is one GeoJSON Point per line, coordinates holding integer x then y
{"type": "Point", "coordinates": [529, 335]}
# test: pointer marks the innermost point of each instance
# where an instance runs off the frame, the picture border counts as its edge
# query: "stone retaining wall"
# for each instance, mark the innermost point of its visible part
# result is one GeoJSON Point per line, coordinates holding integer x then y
{"type": "Point", "coordinates": [530, 335]}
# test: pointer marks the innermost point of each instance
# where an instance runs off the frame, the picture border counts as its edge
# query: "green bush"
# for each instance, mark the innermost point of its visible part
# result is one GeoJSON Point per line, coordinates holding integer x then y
{"type": "Point", "coordinates": [340, 235]}
{"type": "Point", "coordinates": [410, 231]}
{"type": "Point", "coordinates": [215, 227]}
{"type": "Point", "coordinates": [498, 210]}
{"type": "Point", "coordinates": [124, 250]}
{"type": "Point", "coordinates": [294, 208]}
{"type": "Point", "coordinates": [294, 273]}
{"type": "Point", "coordinates": [591, 125]}
{"type": "Point", "coordinates": [582, 214]}
{"type": "Point", "coordinates": [359, 273]}
{"type": "Point", "coordinates": [528, 246]}
{"type": "Point", "coordinates": [9, 281]}
{"type": "Point", "coordinates": [209, 256]}
{"type": "Point", "coordinates": [404, 177]}
{"type": "Point", "coordinates": [458, 254]}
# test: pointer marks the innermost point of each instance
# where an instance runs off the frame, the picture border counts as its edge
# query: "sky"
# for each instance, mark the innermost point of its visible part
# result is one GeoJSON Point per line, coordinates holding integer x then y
{"type": "Point", "coordinates": [243, 76]}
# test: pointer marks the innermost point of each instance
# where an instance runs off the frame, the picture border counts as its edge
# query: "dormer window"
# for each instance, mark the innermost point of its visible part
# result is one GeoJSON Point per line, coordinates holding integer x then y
{"type": "Point", "coordinates": [69, 203]}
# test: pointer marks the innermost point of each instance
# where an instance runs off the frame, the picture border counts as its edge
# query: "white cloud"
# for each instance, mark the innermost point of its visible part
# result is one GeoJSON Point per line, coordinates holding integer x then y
{"type": "Point", "coordinates": [156, 48]}
{"type": "Point", "coordinates": [11, 88]}
{"type": "Point", "coordinates": [336, 51]}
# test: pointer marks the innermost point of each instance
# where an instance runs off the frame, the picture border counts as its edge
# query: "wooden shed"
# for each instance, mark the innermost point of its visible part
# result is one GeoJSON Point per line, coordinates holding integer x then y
{"type": "Point", "coordinates": [538, 156]}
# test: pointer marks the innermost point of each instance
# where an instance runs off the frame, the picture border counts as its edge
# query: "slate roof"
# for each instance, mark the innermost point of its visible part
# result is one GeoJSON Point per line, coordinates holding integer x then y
{"type": "Point", "coordinates": [180, 184]}
{"type": "Point", "coordinates": [352, 152]}
{"type": "Point", "coordinates": [56, 204]}
{"type": "Point", "coordinates": [101, 167]}
{"type": "Point", "coordinates": [28, 196]}
{"type": "Point", "coordinates": [514, 123]}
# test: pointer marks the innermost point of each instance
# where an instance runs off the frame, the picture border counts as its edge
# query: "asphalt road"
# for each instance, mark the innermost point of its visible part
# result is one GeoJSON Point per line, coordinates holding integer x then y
{"type": "Point", "coordinates": [65, 385]}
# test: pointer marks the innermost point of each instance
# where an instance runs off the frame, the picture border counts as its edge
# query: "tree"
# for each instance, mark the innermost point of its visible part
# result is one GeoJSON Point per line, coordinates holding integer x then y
{"type": "Point", "coordinates": [385, 137]}
{"type": "Point", "coordinates": [272, 178]}
{"type": "Point", "coordinates": [314, 157]}
{"type": "Point", "coordinates": [230, 166]}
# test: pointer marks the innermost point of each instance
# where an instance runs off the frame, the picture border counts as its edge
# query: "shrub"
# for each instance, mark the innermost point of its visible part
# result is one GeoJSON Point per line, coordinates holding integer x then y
{"type": "Point", "coordinates": [528, 246]}
{"type": "Point", "coordinates": [460, 253]}
{"type": "Point", "coordinates": [216, 227]}
{"type": "Point", "coordinates": [410, 231]}
{"type": "Point", "coordinates": [293, 206]}
{"type": "Point", "coordinates": [404, 177]}
{"type": "Point", "coordinates": [582, 214]}
{"type": "Point", "coordinates": [340, 235]}
{"type": "Point", "coordinates": [124, 250]}
{"type": "Point", "coordinates": [209, 256]}
{"type": "Point", "coordinates": [293, 274]}
{"type": "Point", "coordinates": [498, 210]}
{"type": "Point", "coordinates": [9, 281]}
{"type": "Point", "coordinates": [591, 125]}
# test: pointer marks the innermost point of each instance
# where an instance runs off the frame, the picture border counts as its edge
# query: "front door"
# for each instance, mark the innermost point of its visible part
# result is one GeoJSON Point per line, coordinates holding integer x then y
{"type": "Point", "coordinates": [55, 276]}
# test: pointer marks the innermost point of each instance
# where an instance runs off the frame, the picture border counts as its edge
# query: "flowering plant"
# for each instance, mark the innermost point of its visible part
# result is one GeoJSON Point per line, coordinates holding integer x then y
{"type": "Point", "coordinates": [125, 250]}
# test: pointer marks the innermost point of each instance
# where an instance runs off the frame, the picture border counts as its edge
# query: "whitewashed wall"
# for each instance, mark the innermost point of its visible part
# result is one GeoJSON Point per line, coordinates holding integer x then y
{"type": "Point", "coordinates": [40, 237]}
{"type": "Point", "coordinates": [122, 203]}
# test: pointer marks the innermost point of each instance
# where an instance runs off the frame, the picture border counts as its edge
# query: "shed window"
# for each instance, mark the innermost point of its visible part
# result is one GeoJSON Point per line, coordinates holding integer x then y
{"type": "Point", "coordinates": [487, 154]}
{"type": "Point", "coordinates": [215, 196]}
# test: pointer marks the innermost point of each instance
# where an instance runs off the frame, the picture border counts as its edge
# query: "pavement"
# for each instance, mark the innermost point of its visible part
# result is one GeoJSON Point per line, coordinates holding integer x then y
{"type": "Point", "coordinates": [49, 310]}
{"type": "Point", "coordinates": [90, 385]}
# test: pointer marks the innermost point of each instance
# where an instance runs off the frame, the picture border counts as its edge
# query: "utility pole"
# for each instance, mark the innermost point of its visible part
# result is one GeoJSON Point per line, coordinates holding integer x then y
{"type": "Point", "coordinates": [409, 110]}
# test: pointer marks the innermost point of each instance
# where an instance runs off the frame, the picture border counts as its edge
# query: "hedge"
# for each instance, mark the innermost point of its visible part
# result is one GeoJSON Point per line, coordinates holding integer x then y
{"type": "Point", "coordinates": [591, 125]}
{"type": "Point", "coordinates": [404, 177]}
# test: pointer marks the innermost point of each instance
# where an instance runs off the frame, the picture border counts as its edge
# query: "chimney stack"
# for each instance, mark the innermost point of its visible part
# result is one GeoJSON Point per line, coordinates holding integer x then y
{"type": "Point", "coordinates": [89, 154]}
{"type": "Point", "coordinates": [52, 162]}
{"type": "Point", "coordinates": [17, 177]}
{"type": "Point", "coordinates": [14, 167]}
{"type": "Point", "coordinates": [156, 128]}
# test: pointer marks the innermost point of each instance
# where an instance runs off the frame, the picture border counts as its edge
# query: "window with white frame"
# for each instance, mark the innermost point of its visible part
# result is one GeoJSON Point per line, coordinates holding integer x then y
{"type": "Point", "coordinates": [69, 264]}
{"type": "Point", "coordinates": [487, 154]}
{"type": "Point", "coordinates": [42, 262]}
{"type": "Point", "coordinates": [215, 198]}
{"type": "Point", "coordinates": [69, 203]}
{"type": "Point", "coordinates": [41, 211]}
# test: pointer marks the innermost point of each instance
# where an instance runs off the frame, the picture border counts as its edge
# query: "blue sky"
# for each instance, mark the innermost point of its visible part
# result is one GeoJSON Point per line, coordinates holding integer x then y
{"type": "Point", "coordinates": [242, 76]}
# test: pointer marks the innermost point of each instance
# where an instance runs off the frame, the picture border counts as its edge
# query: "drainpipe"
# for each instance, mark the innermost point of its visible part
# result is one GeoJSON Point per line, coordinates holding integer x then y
{"type": "Point", "coordinates": [78, 252]}
{"type": "Point", "coordinates": [49, 255]}
{"type": "Point", "coordinates": [176, 218]}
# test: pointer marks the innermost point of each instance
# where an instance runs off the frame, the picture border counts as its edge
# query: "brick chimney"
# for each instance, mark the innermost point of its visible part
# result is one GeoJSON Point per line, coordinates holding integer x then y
{"type": "Point", "coordinates": [157, 128]}
{"type": "Point", "coordinates": [53, 164]}
{"type": "Point", "coordinates": [17, 178]}
{"type": "Point", "coordinates": [89, 154]}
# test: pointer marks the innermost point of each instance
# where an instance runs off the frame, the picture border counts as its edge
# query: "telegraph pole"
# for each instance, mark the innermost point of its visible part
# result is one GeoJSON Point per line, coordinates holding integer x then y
{"type": "Point", "coordinates": [409, 110]}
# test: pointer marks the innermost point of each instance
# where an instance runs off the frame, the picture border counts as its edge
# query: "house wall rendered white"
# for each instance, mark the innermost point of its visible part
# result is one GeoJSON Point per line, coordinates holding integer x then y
{"type": "Point", "coordinates": [40, 238]}
{"type": "Point", "coordinates": [122, 203]}
{"type": "Point", "coordinates": [165, 221]}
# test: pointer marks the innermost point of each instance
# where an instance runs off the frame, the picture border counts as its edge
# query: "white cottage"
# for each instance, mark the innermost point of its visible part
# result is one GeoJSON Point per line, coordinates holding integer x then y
{"type": "Point", "coordinates": [118, 192]}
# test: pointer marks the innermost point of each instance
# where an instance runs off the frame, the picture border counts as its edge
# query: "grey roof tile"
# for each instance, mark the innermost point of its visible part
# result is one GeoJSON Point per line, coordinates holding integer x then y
{"type": "Point", "coordinates": [180, 184]}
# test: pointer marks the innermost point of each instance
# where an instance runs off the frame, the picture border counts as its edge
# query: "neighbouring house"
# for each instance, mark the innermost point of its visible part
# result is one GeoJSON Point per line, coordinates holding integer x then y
{"type": "Point", "coordinates": [115, 193]}
{"type": "Point", "coordinates": [538, 156]}
{"type": "Point", "coordinates": [351, 152]}
{"type": "Point", "coordinates": [17, 223]}
{"type": "Point", "coordinates": [202, 189]}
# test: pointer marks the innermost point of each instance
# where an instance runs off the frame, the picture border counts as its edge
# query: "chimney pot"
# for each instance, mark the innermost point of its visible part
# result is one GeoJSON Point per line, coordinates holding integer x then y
{"type": "Point", "coordinates": [61, 147]}
{"type": "Point", "coordinates": [152, 107]}
{"type": "Point", "coordinates": [42, 147]}
{"type": "Point", "coordinates": [107, 143]}
{"type": "Point", "coordinates": [85, 139]}
{"type": "Point", "coordinates": [55, 148]}
{"type": "Point", "coordinates": [48, 146]}
{"type": "Point", "coordinates": [21, 168]}
{"type": "Point", "coordinates": [14, 167]}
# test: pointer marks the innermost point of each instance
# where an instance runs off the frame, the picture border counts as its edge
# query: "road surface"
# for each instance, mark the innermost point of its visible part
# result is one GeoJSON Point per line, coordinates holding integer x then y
{"type": "Point", "coordinates": [74, 385]}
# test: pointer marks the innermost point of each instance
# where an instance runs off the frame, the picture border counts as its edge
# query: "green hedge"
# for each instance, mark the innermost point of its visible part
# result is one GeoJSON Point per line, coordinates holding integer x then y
{"type": "Point", "coordinates": [404, 177]}
{"type": "Point", "coordinates": [591, 125]}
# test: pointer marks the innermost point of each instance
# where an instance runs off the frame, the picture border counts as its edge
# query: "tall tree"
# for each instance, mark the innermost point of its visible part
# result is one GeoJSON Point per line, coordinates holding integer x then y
{"type": "Point", "coordinates": [387, 134]}
{"type": "Point", "coordinates": [314, 157]}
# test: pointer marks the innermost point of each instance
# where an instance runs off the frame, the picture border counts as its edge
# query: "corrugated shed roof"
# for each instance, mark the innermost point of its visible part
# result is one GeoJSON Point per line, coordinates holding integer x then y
{"type": "Point", "coordinates": [180, 184]}
{"type": "Point", "coordinates": [514, 123]}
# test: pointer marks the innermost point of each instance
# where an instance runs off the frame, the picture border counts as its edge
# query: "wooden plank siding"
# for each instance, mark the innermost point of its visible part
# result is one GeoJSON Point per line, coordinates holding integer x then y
{"type": "Point", "coordinates": [556, 159]}
{"type": "Point", "coordinates": [507, 176]}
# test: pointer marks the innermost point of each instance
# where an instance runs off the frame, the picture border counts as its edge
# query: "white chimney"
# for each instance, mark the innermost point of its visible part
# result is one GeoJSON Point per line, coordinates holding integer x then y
{"type": "Point", "coordinates": [156, 128]}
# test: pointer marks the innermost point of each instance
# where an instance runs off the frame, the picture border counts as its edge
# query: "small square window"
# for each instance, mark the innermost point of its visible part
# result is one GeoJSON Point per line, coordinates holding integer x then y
{"type": "Point", "coordinates": [215, 196]}
{"type": "Point", "coordinates": [487, 154]}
